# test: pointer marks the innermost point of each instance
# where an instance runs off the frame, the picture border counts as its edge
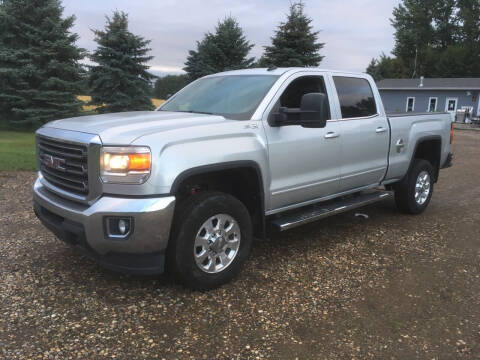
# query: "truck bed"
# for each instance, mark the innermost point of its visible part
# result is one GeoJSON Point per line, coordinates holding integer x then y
{"type": "Point", "coordinates": [406, 129]}
{"type": "Point", "coordinates": [402, 114]}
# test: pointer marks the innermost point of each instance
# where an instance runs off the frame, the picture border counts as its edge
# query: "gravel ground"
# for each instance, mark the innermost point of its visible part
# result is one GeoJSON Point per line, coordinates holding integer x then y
{"type": "Point", "coordinates": [388, 287]}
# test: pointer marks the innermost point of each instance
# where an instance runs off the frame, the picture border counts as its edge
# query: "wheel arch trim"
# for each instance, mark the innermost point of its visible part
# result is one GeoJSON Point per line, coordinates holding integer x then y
{"type": "Point", "coordinates": [228, 165]}
{"type": "Point", "coordinates": [419, 142]}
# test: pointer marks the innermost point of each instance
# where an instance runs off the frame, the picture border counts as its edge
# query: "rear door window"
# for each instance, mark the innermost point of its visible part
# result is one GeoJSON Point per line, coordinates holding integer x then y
{"type": "Point", "coordinates": [355, 96]}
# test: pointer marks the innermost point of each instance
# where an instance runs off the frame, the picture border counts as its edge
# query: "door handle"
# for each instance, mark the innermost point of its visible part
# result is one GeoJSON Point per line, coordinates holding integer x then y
{"type": "Point", "coordinates": [400, 145]}
{"type": "Point", "coordinates": [380, 130]}
{"type": "Point", "coordinates": [331, 135]}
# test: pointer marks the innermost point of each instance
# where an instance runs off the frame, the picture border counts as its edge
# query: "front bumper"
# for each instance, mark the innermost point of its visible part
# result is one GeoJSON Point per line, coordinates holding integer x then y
{"type": "Point", "coordinates": [83, 226]}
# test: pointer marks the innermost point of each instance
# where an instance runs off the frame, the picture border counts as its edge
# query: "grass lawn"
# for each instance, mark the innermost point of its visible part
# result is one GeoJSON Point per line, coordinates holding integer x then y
{"type": "Point", "coordinates": [17, 151]}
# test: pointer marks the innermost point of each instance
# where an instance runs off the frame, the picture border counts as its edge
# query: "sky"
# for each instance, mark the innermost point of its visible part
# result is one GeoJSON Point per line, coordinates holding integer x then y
{"type": "Point", "coordinates": [354, 31]}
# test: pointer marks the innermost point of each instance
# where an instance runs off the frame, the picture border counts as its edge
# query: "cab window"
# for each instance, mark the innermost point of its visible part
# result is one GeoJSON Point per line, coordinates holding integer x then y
{"type": "Point", "coordinates": [355, 96]}
{"type": "Point", "coordinates": [292, 95]}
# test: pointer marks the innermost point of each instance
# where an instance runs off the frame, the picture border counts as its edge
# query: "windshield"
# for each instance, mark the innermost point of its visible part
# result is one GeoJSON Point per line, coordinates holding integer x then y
{"type": "Point", "coordinates": [232, 96]}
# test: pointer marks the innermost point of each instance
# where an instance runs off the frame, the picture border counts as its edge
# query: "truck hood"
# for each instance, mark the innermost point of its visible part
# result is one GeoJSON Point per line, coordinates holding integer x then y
{"type": "Point", "coordinates": [123, 128]}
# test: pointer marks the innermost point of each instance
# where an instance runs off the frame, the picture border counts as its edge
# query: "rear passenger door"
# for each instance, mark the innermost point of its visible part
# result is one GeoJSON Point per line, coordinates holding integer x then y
{"type": "Point", "coordinates": [364, 130]}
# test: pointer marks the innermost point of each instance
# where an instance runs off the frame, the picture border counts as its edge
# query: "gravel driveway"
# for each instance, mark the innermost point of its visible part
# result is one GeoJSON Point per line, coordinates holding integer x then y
{"type": "Point", "coordinates": [390, 286]}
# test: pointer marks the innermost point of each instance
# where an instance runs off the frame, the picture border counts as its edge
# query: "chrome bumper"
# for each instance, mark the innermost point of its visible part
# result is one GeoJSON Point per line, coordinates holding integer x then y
{"type": "Point", "coordinates": [83, 226]}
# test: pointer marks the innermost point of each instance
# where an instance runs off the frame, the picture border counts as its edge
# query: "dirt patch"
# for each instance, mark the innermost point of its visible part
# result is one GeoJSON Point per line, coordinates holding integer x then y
{"type": "Point", "coordinates": [388, 287]}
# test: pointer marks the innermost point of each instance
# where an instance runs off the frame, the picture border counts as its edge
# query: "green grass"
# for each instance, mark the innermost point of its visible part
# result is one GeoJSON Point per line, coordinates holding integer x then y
{"type": "Point", "coordinates": [17, 151]}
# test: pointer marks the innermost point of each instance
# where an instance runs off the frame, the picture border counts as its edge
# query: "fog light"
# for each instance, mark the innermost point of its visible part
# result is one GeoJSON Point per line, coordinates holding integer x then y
{"type": "Point", "coordinates": [122, 226]}
{"type": "Point", "coordinates": [118, 228]}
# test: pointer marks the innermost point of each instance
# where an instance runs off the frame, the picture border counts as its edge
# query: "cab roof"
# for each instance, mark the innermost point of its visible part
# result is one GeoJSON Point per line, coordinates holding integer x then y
{"type": "Point", "coordinates": [276, 71]}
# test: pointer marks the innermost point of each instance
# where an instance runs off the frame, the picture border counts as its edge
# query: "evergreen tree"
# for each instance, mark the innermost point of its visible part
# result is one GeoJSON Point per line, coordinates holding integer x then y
{"type": "Point", "coordinates": [294, 43]}
{"type": "Point", "coordinates": [120, 80]}
{"type": "Point", "coordinates": [373, 70]}
{"type": "Point", "coordinates": [226, 49]}
{"type": "Point", "coordinates": [39, 70]}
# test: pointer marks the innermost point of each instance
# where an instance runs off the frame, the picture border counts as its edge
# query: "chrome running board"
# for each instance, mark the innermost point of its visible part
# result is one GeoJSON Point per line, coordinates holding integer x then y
{"type": "Point", "coordinates": [323, 210]}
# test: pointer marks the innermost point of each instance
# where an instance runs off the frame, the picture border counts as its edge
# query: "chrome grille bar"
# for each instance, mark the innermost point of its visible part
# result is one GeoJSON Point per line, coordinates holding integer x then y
{"type": "Point", "coordinates": [64, 164]}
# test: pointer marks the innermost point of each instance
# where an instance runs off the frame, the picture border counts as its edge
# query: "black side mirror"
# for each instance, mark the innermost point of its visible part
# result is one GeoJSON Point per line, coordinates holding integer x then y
{"type": "Point", "coordinates": [313, 112]}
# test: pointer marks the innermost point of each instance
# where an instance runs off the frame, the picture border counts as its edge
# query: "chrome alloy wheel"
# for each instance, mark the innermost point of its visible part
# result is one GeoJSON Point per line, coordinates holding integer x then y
{"type": "Point", "coordinates": [422, 187]}
{"type": "Point", "coordinates": [217, 243]}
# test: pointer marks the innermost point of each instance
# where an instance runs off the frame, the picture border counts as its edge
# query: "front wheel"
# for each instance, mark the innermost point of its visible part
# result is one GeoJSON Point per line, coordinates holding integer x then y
{"type": "Point", "coordinates": [413, 194]}
{"type": "Point", "coordinates": [211, 240]}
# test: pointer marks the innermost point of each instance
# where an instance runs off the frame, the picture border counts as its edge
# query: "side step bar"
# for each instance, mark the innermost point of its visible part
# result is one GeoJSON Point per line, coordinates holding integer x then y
{"type": "Point", "coordinates": [323, 210]}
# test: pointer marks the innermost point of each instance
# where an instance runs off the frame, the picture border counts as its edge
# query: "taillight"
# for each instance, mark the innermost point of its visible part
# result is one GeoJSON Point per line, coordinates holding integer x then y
{"type": "Point", "coordinates": [451, 133]}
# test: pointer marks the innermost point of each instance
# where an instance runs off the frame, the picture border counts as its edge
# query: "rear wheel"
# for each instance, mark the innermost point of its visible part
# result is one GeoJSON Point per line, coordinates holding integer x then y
{"type": "Point", "coordinates": [413, 193]}
{"type": "Point", "coordinates": [211, 240]}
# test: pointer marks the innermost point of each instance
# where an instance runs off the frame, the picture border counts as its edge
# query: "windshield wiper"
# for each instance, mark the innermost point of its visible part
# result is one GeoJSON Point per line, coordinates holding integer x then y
{"type": "Point", "coordinates": [198, 112]}
{"type": "Point", "coordinates": [191, 112]}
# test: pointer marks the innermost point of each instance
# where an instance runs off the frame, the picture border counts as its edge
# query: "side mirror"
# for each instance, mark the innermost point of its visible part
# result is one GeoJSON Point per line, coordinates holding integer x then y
{"type": "Point", "coordinates": [314, 110]}
{"type": "Point", "coordinates": [313, 113]}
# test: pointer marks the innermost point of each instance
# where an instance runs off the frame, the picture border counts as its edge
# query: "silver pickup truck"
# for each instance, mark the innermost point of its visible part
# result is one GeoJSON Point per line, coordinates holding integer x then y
{"type": "Point", "coordinates": [229, 157]}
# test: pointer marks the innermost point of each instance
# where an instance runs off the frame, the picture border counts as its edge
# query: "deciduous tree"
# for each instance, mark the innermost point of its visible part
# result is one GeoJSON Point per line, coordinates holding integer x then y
{"type": "Point", "coordinates": [169, 85]}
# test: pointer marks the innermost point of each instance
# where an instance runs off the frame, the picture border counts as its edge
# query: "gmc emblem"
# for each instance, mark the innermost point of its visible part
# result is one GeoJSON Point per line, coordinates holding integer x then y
{"type": "Point", "coordinates": [54, 162]}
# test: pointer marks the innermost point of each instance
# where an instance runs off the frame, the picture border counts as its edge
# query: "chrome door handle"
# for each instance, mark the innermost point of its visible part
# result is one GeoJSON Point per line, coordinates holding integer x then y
{"type": "Point", "coordinates": [400, 145]}
{"type": "Point", "coordinates": [380, 130]}
{"type": "Point", "coordinates": [331, 135]}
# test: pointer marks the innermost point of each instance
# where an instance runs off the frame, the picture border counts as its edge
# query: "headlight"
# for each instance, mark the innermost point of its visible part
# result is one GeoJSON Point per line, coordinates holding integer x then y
{"type": "Point", "coordinates": [125, 165]}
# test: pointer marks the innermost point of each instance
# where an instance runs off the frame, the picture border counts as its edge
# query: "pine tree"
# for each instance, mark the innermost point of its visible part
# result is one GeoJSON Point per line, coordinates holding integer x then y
{"type": "Point", "coordinates": [120, 80]}
{"type": "Point", "coordinates": [294, 43]}
{"type": "Point", "coordinates": [40, 73]}
{"type": "Point", "coordinates": [226, 49]}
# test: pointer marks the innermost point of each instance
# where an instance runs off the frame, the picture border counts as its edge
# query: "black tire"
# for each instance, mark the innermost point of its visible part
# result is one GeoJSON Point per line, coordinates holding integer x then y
{"type": "Point", "coordinates": [405, 190]}
{"type": "Point", "coordinates": [189, 218]}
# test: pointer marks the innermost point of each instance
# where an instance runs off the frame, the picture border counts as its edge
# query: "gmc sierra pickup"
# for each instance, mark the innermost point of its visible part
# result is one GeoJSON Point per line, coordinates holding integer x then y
{"type": "Point", "coordinates": [231, 156]}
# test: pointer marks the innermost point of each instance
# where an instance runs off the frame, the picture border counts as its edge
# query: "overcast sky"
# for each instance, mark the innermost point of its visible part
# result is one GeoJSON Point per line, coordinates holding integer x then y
{"type": "Point", "coordinates": [354, 30]}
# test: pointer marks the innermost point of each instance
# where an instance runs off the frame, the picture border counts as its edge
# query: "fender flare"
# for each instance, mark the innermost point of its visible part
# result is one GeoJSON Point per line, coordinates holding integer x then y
{"type": "Point", "coordinates": [229, 165]}
{"type": "Point", "coordinates": [417, 144]}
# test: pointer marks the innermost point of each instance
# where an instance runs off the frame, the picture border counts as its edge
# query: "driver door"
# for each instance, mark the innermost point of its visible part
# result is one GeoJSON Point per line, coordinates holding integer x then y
{"type": "Point", "coordinates": [304, 162]}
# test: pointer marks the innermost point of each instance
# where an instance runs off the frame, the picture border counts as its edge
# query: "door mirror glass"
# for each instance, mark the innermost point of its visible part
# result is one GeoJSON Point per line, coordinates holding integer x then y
{"type": "Point", "coordinates": [313, 112]}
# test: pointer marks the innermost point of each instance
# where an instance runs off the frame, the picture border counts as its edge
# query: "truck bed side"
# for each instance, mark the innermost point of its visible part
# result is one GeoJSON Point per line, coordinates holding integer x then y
{"type": "Point", "coordinates": [412, 129]}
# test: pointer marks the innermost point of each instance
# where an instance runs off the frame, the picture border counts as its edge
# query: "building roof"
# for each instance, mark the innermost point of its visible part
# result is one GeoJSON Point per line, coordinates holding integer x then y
{"type": "Point", "coordinates": [430, 84]}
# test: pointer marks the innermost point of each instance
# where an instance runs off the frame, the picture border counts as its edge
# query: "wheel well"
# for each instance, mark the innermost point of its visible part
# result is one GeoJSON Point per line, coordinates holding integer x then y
{"type": "Point", "coordinates": [242, 182]}
{"type": "Point", "coordinates": [430, 150]}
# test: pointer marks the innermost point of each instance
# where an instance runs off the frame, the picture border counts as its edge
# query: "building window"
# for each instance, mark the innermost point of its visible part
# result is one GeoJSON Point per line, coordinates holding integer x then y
{"type": "Point", "coordinates": [451, 105]}
{"type": "Point", "coordinates": [432, 104]}
{"type": "Point", "coordinates": [410, 104]}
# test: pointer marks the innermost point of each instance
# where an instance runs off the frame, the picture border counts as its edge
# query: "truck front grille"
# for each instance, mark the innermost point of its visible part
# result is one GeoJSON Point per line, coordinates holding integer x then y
{"type": "Point", "coordinates": [64, 164]}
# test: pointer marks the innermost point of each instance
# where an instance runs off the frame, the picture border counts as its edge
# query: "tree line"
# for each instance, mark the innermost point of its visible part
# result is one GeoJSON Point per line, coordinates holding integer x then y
{"type": "Point", "coordinates": [41, 69]}
{"type": "Point", "coordinates": [433, 38]}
